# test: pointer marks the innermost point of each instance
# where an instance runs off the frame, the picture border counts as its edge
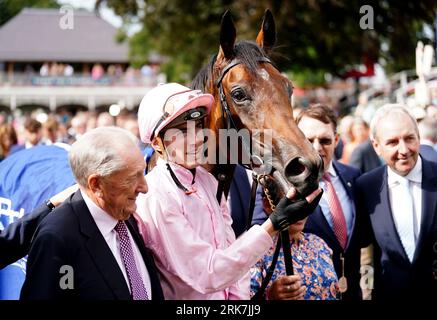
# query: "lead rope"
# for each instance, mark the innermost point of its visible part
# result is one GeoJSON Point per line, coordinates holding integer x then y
{"type": "Point", "coordinates": [284, 236]}
{"type": "Point", "coordinates": [259, 295]}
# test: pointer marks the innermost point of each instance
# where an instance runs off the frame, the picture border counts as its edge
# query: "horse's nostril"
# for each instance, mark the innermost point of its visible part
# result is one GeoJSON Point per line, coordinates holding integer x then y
{"type": "Point", "coordinates": [294, 168]}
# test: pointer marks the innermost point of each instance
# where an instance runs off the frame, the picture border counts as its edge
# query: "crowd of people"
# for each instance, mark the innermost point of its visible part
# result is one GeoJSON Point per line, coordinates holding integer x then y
{"type": "Point", "coordinates": [164, 235]}
{"type": "Point", "coordinates": [26, 131]}
{"type": "Point", "coordinates": [67, 74]}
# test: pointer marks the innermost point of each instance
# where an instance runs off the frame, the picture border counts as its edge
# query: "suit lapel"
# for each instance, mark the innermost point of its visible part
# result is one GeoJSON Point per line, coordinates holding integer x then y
{"type": "Point", "coordinates": [347, 183]}
{"type": "Point", "coordinates": [345, 179]}
{"type": "Point", "coordinates": [323, 224]}
{"type": "Point", "coordinates": [429, 205]}
{"type": "Point", "coordinates": [99, 250]}
{"type": "Point", "coordinates": [242, 187]}
{"type": "Point", "coordinates": [383, 223]}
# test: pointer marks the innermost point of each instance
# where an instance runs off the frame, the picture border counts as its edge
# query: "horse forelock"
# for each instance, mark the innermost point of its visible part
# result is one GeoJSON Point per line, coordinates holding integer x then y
{"type": "Point", "coordinates": [246, 52]}
{"type": "Point", "coordinates": [202, 78]}
{"type": "Point", "coordinates": [249, 54]}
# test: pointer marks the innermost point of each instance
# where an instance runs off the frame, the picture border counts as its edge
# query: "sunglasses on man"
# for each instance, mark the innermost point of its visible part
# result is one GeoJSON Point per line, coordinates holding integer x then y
{"type": "Point", "coordinates": [322, 141]}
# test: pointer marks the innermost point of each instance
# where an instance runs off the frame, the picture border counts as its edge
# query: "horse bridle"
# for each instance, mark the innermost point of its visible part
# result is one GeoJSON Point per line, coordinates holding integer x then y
{"type": "Point", "coordinates": [255, 161]}
{"type": "Point", "coordinates": [228, 122]}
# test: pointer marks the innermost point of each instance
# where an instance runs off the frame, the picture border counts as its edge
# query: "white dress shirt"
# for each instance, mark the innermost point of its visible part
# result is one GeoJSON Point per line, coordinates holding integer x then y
{"type": "Point", "coordinates": [415, 178]}
{"type": "Point", "coordinates": [106, 224]}
{"type": "Point", "coordinates": [345, 201]}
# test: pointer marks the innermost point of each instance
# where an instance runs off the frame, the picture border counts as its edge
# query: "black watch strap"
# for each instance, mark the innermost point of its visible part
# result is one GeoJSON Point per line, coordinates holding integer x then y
{"type": "Point", "coordinates": [50, 205]}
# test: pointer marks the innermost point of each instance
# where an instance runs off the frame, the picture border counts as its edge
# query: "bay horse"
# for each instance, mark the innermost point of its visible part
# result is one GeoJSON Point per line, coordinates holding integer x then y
{"type": "Point", "coordinates": [250, 93]}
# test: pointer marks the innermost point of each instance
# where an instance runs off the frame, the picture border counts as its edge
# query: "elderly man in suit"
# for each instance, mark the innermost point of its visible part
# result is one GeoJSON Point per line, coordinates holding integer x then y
{"type": "Point", "coordinates": [90, 247]}
{"type": "Point", "coordinates": [334, 219]}
{"type": "Point", "coordinates": [400, 200]}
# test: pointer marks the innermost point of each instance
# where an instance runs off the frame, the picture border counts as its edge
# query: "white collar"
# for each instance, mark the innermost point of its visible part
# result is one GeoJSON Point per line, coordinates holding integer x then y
{"type": "Point", "coordinates": [331, 170]}
{"type": "Point", "coordinates": [103, 220]}
{"type": "Point", "coordinates": [414, 175]}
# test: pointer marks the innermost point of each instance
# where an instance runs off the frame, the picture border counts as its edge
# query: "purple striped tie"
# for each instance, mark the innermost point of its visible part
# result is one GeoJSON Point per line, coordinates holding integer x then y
{"type": "Point", "coordinates": [137, 287]}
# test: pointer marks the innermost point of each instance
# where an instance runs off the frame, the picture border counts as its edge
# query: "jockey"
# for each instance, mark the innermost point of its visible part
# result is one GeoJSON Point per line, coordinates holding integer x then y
{"type": "Point", "coordinates": [189, 232]}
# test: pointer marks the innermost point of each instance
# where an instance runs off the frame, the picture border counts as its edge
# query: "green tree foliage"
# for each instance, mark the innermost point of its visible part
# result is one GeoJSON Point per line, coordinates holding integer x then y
{"type": "Point", "coordinates": [313, 36]}
{"type": "Point", "coordinates": [9, 8]}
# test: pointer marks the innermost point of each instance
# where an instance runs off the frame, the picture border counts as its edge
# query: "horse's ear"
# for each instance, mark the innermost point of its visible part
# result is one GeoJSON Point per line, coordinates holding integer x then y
{"type": "Point", "coordinates": [267, 35]}
{"type": "Point", "coordinates": [228, 33]}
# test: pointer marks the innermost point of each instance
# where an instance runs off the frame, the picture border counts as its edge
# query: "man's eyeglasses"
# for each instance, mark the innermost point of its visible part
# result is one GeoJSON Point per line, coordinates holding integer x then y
{"type": "Point", "coordinates": [322, 141]}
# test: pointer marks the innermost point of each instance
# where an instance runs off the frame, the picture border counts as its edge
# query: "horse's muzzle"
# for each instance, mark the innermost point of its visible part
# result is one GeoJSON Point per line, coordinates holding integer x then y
{"type": "Point", "coordinates": [303, 174]}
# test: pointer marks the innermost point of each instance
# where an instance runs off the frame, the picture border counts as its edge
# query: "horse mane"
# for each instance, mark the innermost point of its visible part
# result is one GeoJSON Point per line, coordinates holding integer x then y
{"type": "Point", "coordinates": [247, 52]}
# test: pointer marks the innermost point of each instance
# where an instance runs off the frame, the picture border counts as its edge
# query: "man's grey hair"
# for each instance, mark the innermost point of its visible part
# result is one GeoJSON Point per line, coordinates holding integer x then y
{"type": "Point", "coordinates": [99, 151]}
{"type": "Point", "coordinates": [384, 111]}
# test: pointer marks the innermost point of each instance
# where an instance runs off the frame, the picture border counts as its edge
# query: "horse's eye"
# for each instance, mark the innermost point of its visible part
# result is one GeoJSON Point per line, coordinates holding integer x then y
{"type": "Point", "coordinates": [238, 95]}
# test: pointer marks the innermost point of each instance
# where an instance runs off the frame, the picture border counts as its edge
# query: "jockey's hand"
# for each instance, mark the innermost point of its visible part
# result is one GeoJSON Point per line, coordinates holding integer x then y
{"type": "Point", "coordinates": [289, 211]}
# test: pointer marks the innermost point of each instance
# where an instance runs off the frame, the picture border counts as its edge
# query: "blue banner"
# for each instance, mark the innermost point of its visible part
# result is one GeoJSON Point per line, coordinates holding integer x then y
{"type": "Point", "coordinates": [27, 178]}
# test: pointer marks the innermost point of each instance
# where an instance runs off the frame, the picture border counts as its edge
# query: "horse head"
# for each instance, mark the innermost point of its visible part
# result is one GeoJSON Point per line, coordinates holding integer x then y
{"type": "Point", "coordinates": [250, 93]}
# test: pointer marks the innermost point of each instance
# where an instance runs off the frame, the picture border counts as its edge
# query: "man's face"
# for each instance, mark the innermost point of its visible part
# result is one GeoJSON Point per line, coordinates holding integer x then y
{"type": "Point", "coordinates": [120, 190]}
{"type": "Point", "coordinates": [33, 137]}
{"type": "Point", "coordinates": [322, 137]}
{"type": "Point", "coordinates": [184, 144]}
{"type": "Point", "coordinates": [397, 142]}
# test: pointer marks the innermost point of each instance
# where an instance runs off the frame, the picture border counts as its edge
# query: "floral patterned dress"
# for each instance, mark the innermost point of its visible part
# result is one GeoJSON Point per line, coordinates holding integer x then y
{"type": "Point", "coordinates": [311, 260]}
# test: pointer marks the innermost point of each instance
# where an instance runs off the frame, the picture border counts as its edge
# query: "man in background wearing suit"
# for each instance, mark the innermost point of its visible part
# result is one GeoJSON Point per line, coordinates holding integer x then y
{"type": "Point", "coordinates": [400, 200]}
{"type": "Point", "coordinates": [90, 247]}
{"type": "Point", "coordinates": [334, 219]}
{"type": "Point", "coordinates": [364, 157]}
{"type": "Point", "coordinates": [428, 138]}
{"type": "Point", "coordinates": [239, 199]}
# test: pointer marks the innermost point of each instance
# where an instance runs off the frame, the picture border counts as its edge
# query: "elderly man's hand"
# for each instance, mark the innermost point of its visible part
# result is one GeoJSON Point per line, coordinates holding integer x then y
{"type": "Point", "coordinates": [289, 211]}
{"type": "Point", "coordinates": [287, 288]}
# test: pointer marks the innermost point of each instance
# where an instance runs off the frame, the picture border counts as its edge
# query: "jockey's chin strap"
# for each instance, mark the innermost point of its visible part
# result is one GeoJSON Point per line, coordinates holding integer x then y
{"type": "Point", "coordinates": [175, 178]}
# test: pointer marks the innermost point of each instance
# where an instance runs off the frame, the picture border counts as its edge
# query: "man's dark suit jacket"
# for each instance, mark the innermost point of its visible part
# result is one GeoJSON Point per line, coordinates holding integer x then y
{"type": "Point", "coordinates": [318, 225]}
{"type": "Point", "coordinates": [364, 157]}
{"type": "Point", "coordinates": [395, 276]}
{"type": "Point", "coordinates": [428, 152]}
{"type": "Point", "coordinates": [240, 199]}
{"type": "Point", "coordinates": [69, 236]}
{"type": "Point", "coordinates": [15, 238]}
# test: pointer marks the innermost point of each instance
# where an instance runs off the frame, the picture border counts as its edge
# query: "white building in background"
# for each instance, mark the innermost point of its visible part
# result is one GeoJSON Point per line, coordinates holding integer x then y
{"type": "Point", "coordinates": [82, 67]}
